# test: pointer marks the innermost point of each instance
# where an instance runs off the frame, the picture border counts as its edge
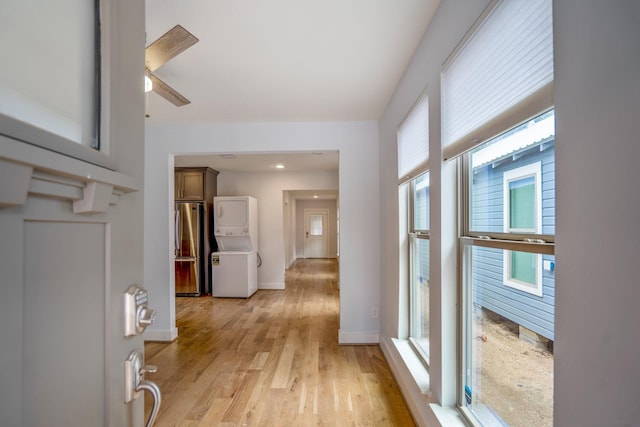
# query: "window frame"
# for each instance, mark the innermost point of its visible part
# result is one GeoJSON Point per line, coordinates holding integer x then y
{"type": "Point", "coordinates": [97, 150]}
{"type": "Point", "coordinates": [536, 243]}
{"type": "Point", "coordinates": [415, 234]}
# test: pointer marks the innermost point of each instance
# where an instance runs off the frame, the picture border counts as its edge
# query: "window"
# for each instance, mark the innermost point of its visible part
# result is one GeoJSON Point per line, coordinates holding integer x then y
{"type": "Point", "coordinates": [413, 158]}
{"type": "Point", "coordinates": [419, 260]}
{"type": "Point", "coordinates": [499, 81]}
{"type": "Point", "coordinates": [522, 212]}
{"type": "Point", "coordinates": [315, 225]}
{"type": "Point", "coordinates": [508, 297]}
{"type": "Point", "coordinates": [66, 116]}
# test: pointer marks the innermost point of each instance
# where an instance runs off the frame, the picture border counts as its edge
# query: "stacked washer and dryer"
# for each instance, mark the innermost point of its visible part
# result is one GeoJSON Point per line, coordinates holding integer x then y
{"type": "Point", "coordinates": [234, 268]}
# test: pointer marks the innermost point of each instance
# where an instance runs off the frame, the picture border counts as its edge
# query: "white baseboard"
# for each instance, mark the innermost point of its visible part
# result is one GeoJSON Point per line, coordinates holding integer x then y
{"type": "Point", "coordinates": [160, 335]}
{"type": "Point", "coordinates": [273, 286]}
{"type": "Point", "coordinates": [347, 338]}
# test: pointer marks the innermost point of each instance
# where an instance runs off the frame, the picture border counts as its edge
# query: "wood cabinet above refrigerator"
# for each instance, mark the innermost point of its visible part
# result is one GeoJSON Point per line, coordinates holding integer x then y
{"type": "Point", "coordinates": [195, 184]}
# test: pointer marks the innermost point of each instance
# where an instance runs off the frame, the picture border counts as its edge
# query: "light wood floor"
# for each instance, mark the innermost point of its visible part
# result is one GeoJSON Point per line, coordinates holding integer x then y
{"type": "Point", "coordinates": [272, 360]}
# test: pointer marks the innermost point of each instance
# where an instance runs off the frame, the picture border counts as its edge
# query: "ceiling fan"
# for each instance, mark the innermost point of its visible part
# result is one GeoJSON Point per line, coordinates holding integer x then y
{"type": "Point", "coordinates": [170, 44]}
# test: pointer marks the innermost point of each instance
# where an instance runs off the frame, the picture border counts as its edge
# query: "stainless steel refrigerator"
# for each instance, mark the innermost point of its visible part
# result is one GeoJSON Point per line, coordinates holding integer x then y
{"type": "Point", "coordinates": [190, 261]}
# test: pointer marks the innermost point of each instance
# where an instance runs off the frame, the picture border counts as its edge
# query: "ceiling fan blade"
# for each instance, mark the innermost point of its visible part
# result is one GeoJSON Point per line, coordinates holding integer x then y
{"type": "Point", "coordinates": [167, 92]}
{"type": "Point", "coordinates": [169, 45]}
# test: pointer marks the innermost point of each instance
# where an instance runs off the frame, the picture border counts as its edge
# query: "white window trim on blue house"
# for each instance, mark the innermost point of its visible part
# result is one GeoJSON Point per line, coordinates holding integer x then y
{"type": "Point", "coordinates": [533, 170]}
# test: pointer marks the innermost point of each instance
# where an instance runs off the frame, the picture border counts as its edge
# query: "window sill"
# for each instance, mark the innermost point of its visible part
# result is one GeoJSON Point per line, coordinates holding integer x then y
{"type": "Point", "coordinates": [412, 362]}
{"type": "Point", "coordinates": [414, 382]}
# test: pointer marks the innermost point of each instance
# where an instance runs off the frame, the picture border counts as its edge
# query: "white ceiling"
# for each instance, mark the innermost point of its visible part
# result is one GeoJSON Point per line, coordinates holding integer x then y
{"type": "Point", "coordinates": [285, 60]}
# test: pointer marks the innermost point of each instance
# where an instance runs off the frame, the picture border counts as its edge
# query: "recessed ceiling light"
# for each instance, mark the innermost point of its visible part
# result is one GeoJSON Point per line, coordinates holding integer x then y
{"type": "Point", "coordinates": [317, 153]}
{"type": "Point", "coordinates": [315, 196]}
{"type": "Point", "coordinates": [228, 156]}
{"type": "Point", "coordinates": [279, 166]}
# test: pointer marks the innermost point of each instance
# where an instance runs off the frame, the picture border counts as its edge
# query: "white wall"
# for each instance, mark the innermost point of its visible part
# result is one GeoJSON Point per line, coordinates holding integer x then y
{"type": "Point", "coordinates": [268, 189]}
{"type": "Point", "coordinates": [597, 87]}
{"type": "Point", "coordinates": [332, 226]}
{"type": "Point", "coordinates": [357, 143]}
{"type": "Point", "coordinates": [597, 93]}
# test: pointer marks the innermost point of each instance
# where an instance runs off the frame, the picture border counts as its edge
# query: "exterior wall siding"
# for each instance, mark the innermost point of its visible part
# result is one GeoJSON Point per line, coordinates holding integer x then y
{"type": "Point", "coordinates": [529, 310]}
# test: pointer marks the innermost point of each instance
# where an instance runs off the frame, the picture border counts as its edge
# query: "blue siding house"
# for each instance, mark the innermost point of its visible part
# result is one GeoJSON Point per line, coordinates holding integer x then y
{"type": "Point", "coordinates": [514, 191]}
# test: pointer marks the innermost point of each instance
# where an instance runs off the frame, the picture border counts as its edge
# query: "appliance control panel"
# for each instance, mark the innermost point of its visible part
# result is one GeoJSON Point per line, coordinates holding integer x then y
{"type": "Point", "coordinates": [137, 314]}
{"type": "Point", "coordinates": [232, 231]}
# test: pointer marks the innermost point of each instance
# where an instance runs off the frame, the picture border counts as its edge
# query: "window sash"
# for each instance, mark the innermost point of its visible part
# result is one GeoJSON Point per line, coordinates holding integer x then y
{"type": "Point", "coordinates": [522, 267]}
{"type": "Point", "coordinates": [421, 206]}
{"type": "Point", "coordinates": [69, 110]}
{"type": "Point", "coordinates": [418, 283]}
{"type": "Point", "coordinates": [469, 335]}
{"type": "Point", "coordinates": [418, 297]}
{"type": "Point", "coordinates": [522, 215]}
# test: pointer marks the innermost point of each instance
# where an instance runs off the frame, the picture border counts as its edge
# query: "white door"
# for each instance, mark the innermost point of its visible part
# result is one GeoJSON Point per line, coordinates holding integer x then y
{"type": "Point", "coordinates": [72, 243]}
{"type": "Point", "coordinates": [316, 233]}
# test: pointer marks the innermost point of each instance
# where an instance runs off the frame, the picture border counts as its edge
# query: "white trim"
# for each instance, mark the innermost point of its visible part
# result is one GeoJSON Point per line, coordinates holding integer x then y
{"type": "Point", "coordinates": [346, 338]}
{"type": "Point", "coordinates": [161, 335]}
{"type": "Point", "coordinates": [414, 383]}
{"type": "Point", "coordinates": [64, 166]}
{"type": "Point", "coordinates": [272, 286]}
{"type": "Point", "coordinates": [517, 284]}
{"type": "Point", "coordinates": [412, 379]}
{"type": "Point", "coordinates": [404, 272]}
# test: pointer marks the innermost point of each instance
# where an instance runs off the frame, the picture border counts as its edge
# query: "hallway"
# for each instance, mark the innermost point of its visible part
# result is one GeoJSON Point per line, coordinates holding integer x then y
{"type": "Point", "coordinates": [272, 360]}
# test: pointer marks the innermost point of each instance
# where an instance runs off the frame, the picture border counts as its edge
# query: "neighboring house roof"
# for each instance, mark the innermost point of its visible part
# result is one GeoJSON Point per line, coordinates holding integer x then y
{"type": "Point", "coordinates": [532, 133]}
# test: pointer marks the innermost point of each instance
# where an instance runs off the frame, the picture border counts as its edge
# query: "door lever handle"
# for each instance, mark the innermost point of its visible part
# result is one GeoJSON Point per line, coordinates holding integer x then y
{"type": "Point", "coordinates": [148, 368]}
{"type": "Point", "coordinates": [153, 389]}
{"type": "Point", "coordinates": [134, 370]}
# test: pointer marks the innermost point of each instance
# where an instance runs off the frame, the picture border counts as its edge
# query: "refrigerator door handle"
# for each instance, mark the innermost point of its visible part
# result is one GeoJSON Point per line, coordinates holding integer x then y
{"type": "Point", "coordinates": [176, 233]}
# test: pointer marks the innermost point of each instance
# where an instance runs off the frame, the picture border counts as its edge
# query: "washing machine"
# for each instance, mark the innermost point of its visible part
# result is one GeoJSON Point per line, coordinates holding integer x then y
{"type": "Point", "coordinates": [234, 274]}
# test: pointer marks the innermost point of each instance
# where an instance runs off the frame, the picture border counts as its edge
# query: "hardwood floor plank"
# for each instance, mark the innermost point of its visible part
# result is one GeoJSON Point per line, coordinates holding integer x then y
{"type": "Point", "coordinates": [281, 375]}
{"type": "Point", "coordinates": [272, 360]}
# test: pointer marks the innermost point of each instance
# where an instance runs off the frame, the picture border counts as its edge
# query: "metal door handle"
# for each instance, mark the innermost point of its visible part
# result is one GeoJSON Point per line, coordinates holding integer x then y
{"type": "Point", "coordinates": [176, 233]}
{"type": "Point", "coordinates": [134, 383]}
{"type": "Point", "coordinates": [153, 389]}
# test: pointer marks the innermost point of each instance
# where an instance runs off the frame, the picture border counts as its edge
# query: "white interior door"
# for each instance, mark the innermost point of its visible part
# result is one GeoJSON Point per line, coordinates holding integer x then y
{"type": "Point", "coordinates": [72, 243]}
{"type": "Point", "coordinates": [316, 233]}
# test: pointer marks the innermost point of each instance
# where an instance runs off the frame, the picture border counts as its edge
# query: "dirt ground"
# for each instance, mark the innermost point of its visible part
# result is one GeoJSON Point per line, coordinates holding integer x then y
{"type": "Point", "coordinates": [514, 379]}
